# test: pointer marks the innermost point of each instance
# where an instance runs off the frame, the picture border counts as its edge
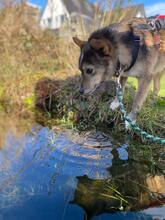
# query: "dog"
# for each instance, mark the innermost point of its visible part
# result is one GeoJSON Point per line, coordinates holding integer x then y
{"type": "Point", "coordinates": [120, 50]}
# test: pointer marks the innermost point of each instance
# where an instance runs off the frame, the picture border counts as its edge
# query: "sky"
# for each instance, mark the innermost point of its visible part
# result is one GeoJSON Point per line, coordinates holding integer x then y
{"type": "Point", "coordinates": [152, 7]}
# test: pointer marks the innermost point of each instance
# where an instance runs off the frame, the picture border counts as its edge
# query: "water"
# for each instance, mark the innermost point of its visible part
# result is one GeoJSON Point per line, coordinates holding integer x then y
{"type": "Point", "coordinates": [44, 175]}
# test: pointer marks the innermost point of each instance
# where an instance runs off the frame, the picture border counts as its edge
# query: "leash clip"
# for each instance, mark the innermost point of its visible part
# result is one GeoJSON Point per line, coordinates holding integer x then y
{"type": "Point", "coordinates": [119, 70]}
{"type": "Point", "coordinates": [118, 80]}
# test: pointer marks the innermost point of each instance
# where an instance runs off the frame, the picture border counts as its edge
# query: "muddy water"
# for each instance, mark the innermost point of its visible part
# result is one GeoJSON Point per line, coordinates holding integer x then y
{"type": "Point", "coordinates": [45, 175]}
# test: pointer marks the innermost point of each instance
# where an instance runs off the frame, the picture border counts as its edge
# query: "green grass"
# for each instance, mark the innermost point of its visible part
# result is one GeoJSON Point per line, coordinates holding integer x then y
{"type": "Point", "coordinates": [162, 90]}
{"type": "Point", "coordinates": [133, 81]}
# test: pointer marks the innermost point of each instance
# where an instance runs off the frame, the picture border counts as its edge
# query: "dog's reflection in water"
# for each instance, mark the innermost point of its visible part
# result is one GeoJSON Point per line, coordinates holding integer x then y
{"type": "Point", "coordinates": [131, 188]}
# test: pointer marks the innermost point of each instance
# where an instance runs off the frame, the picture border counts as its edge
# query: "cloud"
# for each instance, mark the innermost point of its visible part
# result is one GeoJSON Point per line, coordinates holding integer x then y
{"type": "Point", "coordinates": [158, 8]}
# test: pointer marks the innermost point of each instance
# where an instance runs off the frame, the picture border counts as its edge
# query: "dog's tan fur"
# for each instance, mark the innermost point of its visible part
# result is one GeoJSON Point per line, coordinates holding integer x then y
{"type": "Point", "coordinates": [113, 41]}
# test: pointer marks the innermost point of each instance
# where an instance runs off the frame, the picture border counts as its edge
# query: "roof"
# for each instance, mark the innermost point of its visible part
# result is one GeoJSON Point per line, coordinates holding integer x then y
{"type": "Point", "coordinates": [80, 6]}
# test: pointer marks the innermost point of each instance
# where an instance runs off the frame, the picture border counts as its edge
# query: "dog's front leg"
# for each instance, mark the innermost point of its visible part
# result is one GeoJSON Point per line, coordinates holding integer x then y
{"type": "Point", "coordinates": [140, 97]}
{"type": "Point", "coordinates": [115, 103]}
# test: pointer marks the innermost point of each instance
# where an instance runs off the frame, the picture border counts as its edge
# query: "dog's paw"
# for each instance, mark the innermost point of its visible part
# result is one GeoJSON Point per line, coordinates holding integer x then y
{"type": "Point", "coordinates": [115, 104]}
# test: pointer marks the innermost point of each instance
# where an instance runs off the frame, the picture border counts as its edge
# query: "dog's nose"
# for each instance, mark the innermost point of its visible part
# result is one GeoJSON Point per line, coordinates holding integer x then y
{"type": "Point", "coordinates": [89, 71]}
{"type": "Point", "coordinates": [81, 91]}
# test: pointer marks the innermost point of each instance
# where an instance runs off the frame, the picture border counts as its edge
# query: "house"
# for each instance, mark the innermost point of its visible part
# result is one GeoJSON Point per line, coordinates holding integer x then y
{"type": "Point", "coordinates": [78, 17]}
{"type": "Point", "coordinates": [57, 12]}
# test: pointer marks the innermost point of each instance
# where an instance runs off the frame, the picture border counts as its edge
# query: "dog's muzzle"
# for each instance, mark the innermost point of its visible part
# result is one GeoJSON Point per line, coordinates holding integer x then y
{"type": "Point", "coordinates": [87, 91]}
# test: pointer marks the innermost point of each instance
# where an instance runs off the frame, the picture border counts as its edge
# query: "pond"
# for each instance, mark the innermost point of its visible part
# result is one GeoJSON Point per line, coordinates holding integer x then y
{"type": "Point", "coordinates": [44, 174]}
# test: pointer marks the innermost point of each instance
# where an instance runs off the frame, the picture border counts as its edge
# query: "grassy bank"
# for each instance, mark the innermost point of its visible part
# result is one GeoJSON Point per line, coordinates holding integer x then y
{"type": "Point", "coordinates": [92, 111]}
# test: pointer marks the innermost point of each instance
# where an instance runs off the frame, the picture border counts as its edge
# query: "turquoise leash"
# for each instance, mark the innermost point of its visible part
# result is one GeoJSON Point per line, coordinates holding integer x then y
{"type": "Point", "coordinates": [133, 125]}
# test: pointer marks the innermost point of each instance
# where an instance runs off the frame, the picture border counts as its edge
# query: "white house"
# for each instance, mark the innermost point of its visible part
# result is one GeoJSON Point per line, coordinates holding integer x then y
{"type": "Point", "coordinates": [56, 12]}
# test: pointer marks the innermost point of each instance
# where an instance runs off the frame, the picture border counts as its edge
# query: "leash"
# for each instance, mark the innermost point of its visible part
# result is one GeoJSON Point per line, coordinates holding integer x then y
{"type": "Point", "coordinates": [133, 125]}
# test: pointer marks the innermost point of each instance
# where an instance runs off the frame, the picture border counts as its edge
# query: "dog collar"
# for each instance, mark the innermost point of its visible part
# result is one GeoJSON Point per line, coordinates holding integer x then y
{"type": "Point", "coordinates": [135, 51]}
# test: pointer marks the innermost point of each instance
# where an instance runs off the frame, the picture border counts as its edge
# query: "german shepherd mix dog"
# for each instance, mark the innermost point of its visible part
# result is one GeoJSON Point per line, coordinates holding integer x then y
{"type": "Point", "coordinates": [119, 49]}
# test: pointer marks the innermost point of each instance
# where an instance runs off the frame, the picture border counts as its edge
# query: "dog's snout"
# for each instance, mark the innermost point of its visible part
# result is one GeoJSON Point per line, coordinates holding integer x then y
{"type": "Point", "coordinates": [81, 91]}
{"type": "Point", "coordinates": [89, 71]}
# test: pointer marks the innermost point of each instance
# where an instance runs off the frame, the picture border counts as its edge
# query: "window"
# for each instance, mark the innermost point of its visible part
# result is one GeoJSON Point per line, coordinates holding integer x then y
{"type": "Point", "coordinates": [49, 22]}
{"type": "Point", "coordinates": [62, 19]}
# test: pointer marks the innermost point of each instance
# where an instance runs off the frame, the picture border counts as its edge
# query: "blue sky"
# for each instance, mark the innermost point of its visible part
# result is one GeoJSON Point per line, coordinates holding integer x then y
{"type": "Point", "coordinates": [152, 6]}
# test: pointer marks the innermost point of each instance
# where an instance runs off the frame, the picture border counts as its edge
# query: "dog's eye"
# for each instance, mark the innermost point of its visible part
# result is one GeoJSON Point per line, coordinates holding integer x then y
{"type": "Point", "coordinates": [89, 71]}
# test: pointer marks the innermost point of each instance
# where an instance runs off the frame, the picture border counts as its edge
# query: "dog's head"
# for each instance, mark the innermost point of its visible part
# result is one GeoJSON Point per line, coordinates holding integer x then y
{"type": "Point", "coordinates": [95, 63]}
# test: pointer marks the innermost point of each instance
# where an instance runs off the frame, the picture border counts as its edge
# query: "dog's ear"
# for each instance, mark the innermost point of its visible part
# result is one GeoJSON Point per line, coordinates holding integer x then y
{"type": "Point", "coordinates": [103, 44]}
{"type": "Point", "coordinates": [79, 42]}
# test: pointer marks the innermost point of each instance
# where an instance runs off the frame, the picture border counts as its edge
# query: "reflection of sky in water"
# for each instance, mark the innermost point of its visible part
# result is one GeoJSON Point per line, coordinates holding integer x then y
{"type": "Point", "coordinates": [123, 154]}
{"type": "Point", "coordinates": [38, 176]}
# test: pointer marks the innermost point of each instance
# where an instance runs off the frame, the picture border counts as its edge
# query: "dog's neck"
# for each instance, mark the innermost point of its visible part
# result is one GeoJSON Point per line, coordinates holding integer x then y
{"type": "Point", "coordinates": [126, 44]}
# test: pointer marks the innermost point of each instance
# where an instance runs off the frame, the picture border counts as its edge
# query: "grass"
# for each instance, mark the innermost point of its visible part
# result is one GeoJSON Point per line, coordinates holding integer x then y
{"type": "Point", "coordinates": [162, 91]}
{"type": "Point", "coordinates": [162, 86]}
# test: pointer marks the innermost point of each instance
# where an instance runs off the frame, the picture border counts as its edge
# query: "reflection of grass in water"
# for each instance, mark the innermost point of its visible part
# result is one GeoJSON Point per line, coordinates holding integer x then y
{"type": "Point", "coordinates": [11, 123]}
{"type": "Point", "coordinates": [118, 196]}
{"type": "Point", "coordinates": [140, 177]}
{"type": "Point", "coordinates": [134, 184]}
{"type": "Point", "coordinates": [125, 192]}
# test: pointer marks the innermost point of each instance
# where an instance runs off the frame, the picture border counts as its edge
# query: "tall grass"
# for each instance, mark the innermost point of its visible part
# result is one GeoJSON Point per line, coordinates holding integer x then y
{"type": "Point", "coordinates": [26, 53]}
